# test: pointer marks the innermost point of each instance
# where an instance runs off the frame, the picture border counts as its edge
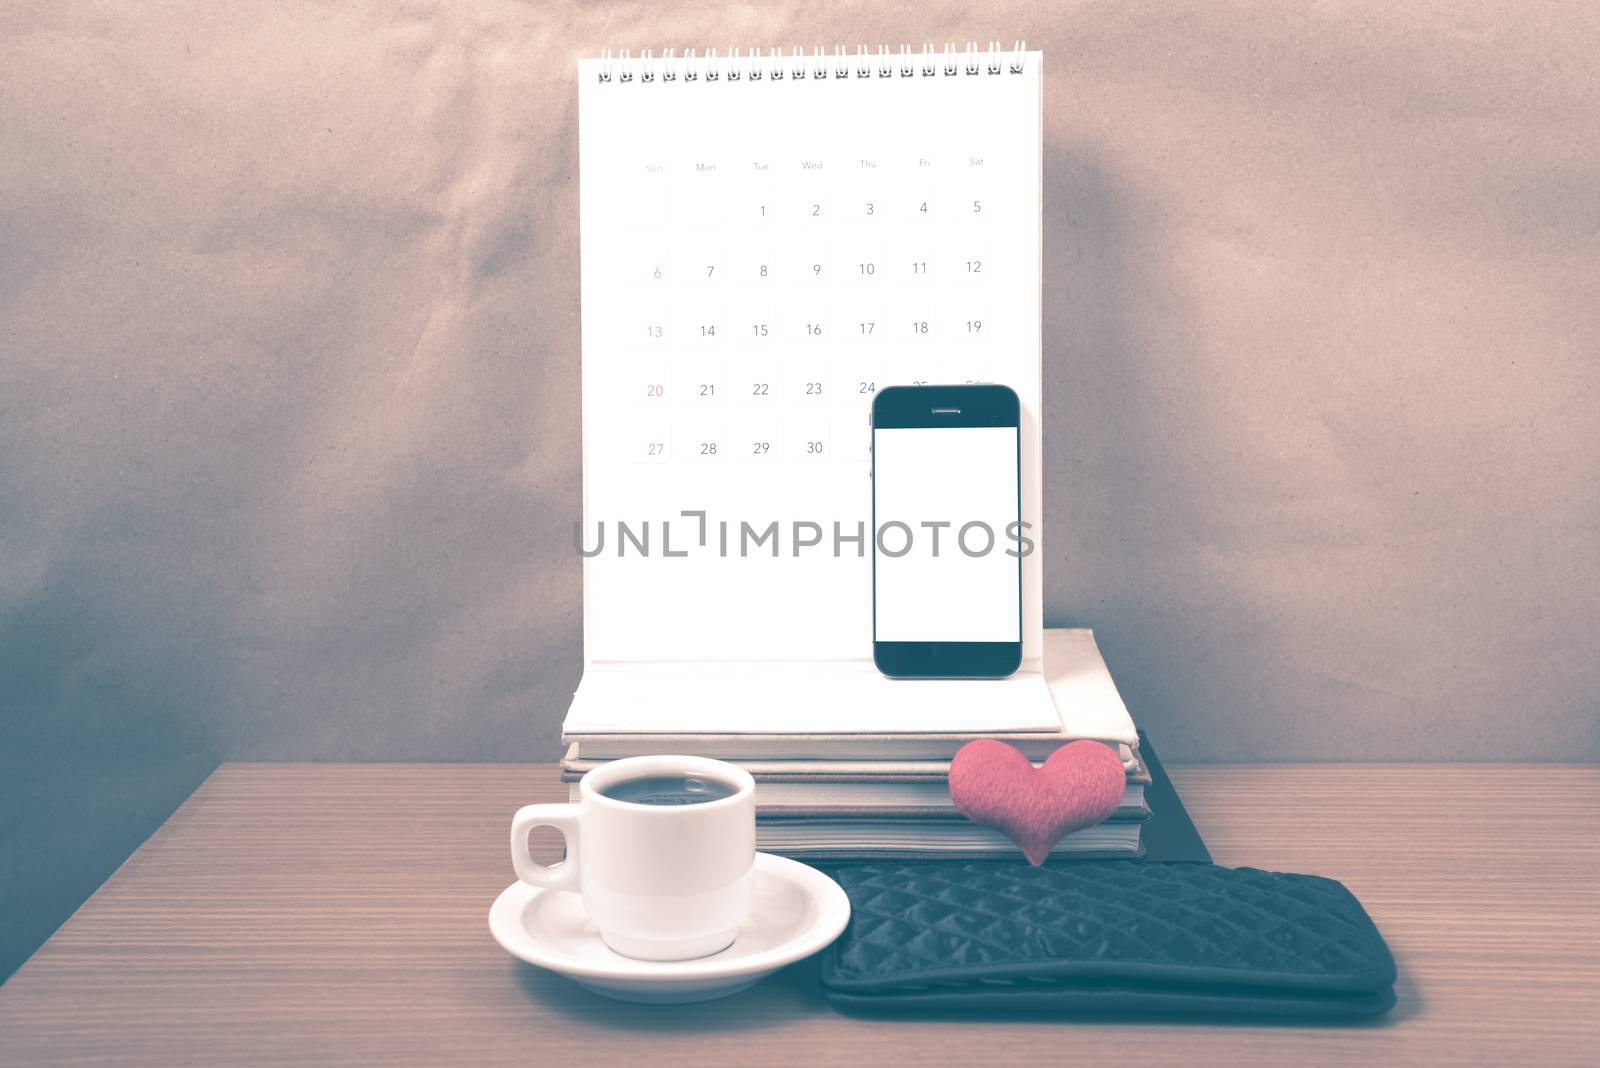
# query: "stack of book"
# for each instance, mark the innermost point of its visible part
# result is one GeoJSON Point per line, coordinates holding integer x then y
{"type": "Point", "coordinates": [847, 794]}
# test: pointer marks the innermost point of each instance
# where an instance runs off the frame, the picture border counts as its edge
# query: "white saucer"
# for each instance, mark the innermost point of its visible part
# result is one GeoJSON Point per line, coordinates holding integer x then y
{"type": "Point", "coordinates": [798, 910]}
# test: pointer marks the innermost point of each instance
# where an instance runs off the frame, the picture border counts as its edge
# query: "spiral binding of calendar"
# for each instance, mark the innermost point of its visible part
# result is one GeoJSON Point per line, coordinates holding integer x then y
{"type": "Point", "coordinates": [817, 64]}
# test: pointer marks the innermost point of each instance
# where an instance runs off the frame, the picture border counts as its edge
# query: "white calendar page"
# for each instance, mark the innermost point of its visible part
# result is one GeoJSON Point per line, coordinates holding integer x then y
{"type": "Point", "coordinates": [758, 259]}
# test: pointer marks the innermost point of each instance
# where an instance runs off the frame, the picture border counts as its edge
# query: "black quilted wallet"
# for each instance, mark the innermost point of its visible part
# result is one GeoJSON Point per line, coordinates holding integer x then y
{"type": "Point", "coordinates": [1104, 937]}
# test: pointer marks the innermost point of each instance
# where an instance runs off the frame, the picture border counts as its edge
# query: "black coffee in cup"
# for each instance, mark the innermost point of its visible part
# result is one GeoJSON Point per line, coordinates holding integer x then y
{"type": "Point", "coordinates": [669, 790]}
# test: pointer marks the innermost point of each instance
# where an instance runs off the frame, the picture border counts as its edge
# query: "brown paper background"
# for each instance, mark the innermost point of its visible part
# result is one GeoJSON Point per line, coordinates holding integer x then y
{"type": "Point", "coordinates": [290, 381]}
{"type": "Point", "coordinates": [289, 375]}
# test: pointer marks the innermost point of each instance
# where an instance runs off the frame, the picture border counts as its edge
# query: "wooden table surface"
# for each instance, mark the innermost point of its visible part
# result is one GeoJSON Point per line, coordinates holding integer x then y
{"type": "Point", "coordinates": [332, 914]}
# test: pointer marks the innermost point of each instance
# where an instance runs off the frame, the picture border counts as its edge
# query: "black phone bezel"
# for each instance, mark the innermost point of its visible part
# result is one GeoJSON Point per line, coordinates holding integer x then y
{"type": "Point", "coordinates": [970, 405]}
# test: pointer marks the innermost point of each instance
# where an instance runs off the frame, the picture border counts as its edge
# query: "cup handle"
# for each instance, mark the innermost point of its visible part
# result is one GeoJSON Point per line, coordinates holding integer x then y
{"type": "Point", "coordinates": [564, 818]}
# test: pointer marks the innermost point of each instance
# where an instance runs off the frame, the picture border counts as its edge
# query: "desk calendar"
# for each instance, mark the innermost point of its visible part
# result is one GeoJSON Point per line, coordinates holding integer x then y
{"type": "Point", "coordinates": [767, 240]}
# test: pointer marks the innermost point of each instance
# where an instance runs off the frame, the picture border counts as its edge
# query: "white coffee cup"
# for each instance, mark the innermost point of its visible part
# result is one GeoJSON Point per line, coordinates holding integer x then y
{"type": "Point", "coordinates": [660, 881]}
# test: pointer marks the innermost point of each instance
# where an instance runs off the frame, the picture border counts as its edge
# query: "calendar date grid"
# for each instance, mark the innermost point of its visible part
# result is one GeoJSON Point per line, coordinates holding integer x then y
{"type": "Point", "coordinates": [762, 324]}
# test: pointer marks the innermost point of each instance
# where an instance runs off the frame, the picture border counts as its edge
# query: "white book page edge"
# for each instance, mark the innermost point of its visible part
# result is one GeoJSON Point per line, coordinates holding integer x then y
{"type": "Point", "coordinates": [1074, 696]}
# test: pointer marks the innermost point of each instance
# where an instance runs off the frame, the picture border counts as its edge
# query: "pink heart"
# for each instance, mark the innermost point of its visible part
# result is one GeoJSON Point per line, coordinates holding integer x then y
{"type": "Point", "coordinates": [992, 783]}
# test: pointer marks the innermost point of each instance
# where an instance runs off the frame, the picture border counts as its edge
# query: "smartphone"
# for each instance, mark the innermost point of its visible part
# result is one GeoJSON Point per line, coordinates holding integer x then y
{"type": "Point", "coordinates": [947, 532]}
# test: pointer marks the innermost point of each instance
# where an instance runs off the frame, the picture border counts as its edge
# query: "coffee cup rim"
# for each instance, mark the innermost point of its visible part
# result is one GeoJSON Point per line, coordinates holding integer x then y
{"type": "Point", "coordinates": [614, 771]}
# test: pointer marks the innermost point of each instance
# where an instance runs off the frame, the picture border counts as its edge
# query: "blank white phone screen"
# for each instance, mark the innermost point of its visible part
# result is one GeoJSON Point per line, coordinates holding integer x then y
{"type": "Point", "coordinates": [946, 509]}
